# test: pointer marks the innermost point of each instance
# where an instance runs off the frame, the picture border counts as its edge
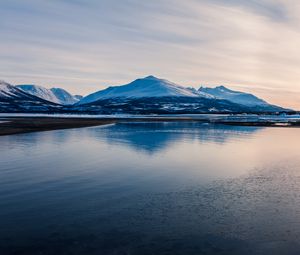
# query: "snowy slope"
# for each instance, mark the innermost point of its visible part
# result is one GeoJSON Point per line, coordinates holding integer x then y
{"type": "Point", "coordinates": [144, 88]}
{"type": "Point", "coordinates": [64, 97]}
{"type": "Point", "coordinates": [8, 91]}
{"type": "Point", "coordinates": [238, 97]}
{"type": "Point", "coordinates": [55, 95]}
{"type": "Point", "coordinates": [40, 92]}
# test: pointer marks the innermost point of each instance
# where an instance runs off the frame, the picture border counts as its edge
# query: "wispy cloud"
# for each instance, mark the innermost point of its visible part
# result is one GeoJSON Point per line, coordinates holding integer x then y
{"type": "Point", "coordinates": [85, 45]}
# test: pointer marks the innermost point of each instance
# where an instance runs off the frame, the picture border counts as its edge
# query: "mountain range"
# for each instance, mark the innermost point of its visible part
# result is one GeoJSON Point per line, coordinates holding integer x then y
{"type": "Point", "coordinates": [149, 95]}
{"type": "Point", "coordinates": [13, 99]}
{"type": "Point", "coordinates": [55, 95]}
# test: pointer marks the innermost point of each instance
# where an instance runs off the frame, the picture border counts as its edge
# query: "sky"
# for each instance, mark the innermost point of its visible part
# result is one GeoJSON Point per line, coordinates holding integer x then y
{"type": "Point", "coordinates": [87, 45]}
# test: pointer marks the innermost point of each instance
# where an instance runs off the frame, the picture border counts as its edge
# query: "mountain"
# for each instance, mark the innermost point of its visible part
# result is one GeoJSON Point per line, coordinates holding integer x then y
{"type": "Point", "coordinates": [149, 86]}
{"type": "Point", "coordinates": [238, 97]}
{"type": "Point", "coordinates": [55, 95]}
{"type": "Point", "coordinates": [13, 99]}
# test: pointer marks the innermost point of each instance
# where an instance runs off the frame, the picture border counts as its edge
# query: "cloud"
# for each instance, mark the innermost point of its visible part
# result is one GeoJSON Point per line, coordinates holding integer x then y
{"type": "Point", "coordinates": [87, 45]}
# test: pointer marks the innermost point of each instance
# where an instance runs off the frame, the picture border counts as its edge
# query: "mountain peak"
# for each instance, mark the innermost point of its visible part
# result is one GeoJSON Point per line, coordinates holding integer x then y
{"type": "Point", "coordinates": [222, 87]}
{"type": "Point", "coordinates": [151, 77]}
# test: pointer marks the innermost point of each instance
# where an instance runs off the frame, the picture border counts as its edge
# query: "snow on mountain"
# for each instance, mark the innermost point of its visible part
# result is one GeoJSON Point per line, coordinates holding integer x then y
{"type": "Point", "coordinates": [238, 97]}
{"type": "Point", "coordinates": [64, 97]}
{"type": "Point", "coordinates": [8, 91]}
{"type": "Point", "coordinates": [13, 99]}
{"type": "Point", "coordinates": [55, 95]}
{"type": "Point", "coordinates": [40, 92]}
{"type": "Point", "coordinates": [149, 86]}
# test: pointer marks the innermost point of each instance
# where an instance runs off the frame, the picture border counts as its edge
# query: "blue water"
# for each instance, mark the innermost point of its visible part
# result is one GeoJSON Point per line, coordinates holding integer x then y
{"type": "Point", "coordinates": [151, 188]}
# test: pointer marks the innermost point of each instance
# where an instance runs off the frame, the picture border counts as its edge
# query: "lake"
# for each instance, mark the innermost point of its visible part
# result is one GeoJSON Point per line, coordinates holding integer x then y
{"type": "Point", "coordinates": [151, 188]}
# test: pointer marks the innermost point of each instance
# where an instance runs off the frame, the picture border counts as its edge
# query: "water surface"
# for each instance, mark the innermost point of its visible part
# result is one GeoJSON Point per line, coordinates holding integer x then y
{"type": "Point", "coordinates": [151, 188]}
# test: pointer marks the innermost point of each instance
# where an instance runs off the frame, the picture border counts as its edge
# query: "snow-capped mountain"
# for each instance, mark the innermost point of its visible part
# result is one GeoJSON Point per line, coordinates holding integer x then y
{"type": "Point", "coordinates": [149, 86]}
{"type": "Point", "coordinates": [55, 95]}
{"type": "Point", "coordinates": [13, 99]}
{"type": "Point", "coordinates": [238, 97]}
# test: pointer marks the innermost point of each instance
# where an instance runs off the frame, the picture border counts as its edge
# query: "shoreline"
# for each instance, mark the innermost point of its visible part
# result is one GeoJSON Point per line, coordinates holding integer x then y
{"type": "Point", "coordinates": [17, 125]}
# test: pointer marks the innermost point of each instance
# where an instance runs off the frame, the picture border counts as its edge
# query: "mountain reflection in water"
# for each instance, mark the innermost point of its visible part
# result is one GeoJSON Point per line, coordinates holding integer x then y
{"type": "Point", "coordinates": [155, 136]}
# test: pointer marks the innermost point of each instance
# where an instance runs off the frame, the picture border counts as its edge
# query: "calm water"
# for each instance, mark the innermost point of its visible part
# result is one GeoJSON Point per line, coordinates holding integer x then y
{"type": "Point", "coordinates": [151, 188]}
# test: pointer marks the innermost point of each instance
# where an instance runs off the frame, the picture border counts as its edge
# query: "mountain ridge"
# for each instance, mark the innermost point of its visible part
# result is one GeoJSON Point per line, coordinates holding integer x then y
{"type": "Point", "coordinates": [55, 95]}
{"type": "Point", "coordinates": [222, 92]}
{"type": "Point", "coordinates": [149, 95]}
